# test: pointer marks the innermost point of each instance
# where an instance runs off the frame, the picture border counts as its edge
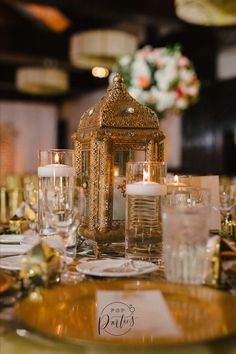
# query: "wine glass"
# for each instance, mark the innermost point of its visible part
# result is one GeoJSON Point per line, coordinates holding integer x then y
{"type": "Point", "coordinates": [60, 212]}
{"type": "Point", "coordinates": [57, 211]}
{"type": "Point", "coordinates": [31, 200]}
{"type": "Point", "coordinates": [64, 205]}
{"type": "Point", "coordinates": [227, 203]}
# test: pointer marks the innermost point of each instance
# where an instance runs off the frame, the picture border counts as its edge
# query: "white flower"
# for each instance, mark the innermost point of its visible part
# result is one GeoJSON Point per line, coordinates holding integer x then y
{"type": "Point", "coordinates": [149, 97]}
{"type": "Point", "coordinates": [143, 53]}
{"type": "Point", "coordinates": [185, 75]}
{"type": "Point", "coordinates": [167, 75]}
{"type": "Point", "coordinates": [125, 60]}
{"type": "Point", "coordinates": [140, 70]}
{"type": "Point", "coordinates": [160, 77]}
{"type": "Point", "coordinates": [181, 103]}
{"type": "Point", "coordinates": [164, 100]}
{"type": "Point", "coordinates": [135, 92]}
{"type": "Point", "coordinates": [183, 61]}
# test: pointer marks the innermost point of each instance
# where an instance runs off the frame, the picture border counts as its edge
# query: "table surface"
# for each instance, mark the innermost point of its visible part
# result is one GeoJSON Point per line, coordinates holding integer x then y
{"type": "Point", "coordinates": [14, 339]}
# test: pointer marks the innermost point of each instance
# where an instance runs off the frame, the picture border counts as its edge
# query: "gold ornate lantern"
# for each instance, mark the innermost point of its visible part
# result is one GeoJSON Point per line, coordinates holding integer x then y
{"type": "Point", "coordinates": [108, 135]}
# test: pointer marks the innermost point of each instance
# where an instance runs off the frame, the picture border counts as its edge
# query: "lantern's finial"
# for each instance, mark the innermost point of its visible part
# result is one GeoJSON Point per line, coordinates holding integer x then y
{"type": "Point", "coordinates": [118, 78]}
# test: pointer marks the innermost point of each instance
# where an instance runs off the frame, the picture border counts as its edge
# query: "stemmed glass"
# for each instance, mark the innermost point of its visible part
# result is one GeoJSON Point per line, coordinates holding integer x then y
{"type": "Point", "coordinates": [57, 210]}
{"type": "Point", "coordinates": [227, 203]}
{"type": "Point", "coordinates": [60, 211]}
{"type": "Point", "coordinates": [64, 215]}
{"type": "Point", "coordinates": [31, 200]}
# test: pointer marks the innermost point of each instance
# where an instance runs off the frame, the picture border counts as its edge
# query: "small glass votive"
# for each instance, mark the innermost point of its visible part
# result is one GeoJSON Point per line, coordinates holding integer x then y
{"type": "Point", "coordinates": [56, 175]}
{"type": "Point", "coordinates": [185, 234]}
{"type": "Point", "coordinates": [145, 184]}
{"type": "Point", "coordinates": [177, 181]}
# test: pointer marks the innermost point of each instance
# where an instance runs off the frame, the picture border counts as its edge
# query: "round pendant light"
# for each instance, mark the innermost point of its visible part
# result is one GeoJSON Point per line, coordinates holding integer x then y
{"type": "Point", "coordinates": [100, 48]}
{"type": "Point", "coordinates": [42, 80]}
{"type": "Point", "coordinates": [207, 12]}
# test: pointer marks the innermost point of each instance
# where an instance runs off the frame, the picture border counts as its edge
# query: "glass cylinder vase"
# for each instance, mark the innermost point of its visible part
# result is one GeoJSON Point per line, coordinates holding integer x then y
{"type": "Point", "coordinates": [145, 184]}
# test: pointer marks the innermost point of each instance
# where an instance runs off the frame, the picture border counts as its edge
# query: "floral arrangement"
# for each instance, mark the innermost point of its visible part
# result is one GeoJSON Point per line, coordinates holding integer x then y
{"type": "Point", "coordinates": [160, 78]}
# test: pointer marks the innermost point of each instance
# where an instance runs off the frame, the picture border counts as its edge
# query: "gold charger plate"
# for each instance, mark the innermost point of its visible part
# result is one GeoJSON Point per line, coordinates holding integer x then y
{"type": "Point", "coordinates": [6, 281]}
{"type": "Point", "coordinates": [72, 313]}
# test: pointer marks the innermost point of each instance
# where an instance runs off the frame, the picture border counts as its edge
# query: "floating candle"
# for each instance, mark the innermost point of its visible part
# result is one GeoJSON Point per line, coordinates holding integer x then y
{"type": "Point", "coordinates": [146, 188]}
{"type": "Point", "coordinates": [175, 183]}
{"type": "Point", "coordinates": [56, 170]}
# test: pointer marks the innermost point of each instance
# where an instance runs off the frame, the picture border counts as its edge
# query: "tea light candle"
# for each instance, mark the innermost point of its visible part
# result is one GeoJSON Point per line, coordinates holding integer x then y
{"type": "Point", "coordinates": [176, 183]}
{"type": "Point", "coordinates": [146, 188]}
{"type": "Point", "coordinates": [56, 170]}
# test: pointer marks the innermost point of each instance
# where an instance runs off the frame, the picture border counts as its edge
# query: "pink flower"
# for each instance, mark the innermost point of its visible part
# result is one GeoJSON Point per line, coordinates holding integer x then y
{"type": "Point", "coordinates": [183, 62]}
{"type": "Point", "coordinates": [151, 99]}
{"type": "Point", "coordinates": [192, 91]}
{"type": "Point", "coordinates": [160, 62]}
{"type": "Point", "coordinates": [144, 52]}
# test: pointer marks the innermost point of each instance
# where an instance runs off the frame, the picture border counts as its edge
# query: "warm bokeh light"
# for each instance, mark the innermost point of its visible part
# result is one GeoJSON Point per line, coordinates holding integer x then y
{"type": "Point", "coordinates": [57, 158]}
{"type": "Point", "coordinates": [100, 47]}
{"type": "Point", "coordinates": [49, 16]}
{"type": "Point", "coordinates": [42, 80]}
{"type": "Point", "coordinates": [99, 71]}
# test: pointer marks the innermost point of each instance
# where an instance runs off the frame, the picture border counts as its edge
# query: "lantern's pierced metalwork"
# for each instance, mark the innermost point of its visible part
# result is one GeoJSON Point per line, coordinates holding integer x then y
{"type": "Point", "coordinates": [118, 124]}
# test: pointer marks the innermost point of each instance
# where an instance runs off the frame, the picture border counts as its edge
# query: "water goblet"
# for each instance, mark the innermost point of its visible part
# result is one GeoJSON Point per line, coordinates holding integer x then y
{"type": "Point", "coordinates": [60, 213]}
{"type": "Point", "coordinates": [56, 173]}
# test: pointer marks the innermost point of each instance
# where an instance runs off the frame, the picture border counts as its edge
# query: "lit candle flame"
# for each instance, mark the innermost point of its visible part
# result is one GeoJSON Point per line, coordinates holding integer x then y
{"type": "Point", "coordinates": [116, 171]}
{"type": "Point", "coordinates": [146, 176]}
{"type": "Point", "coordinates": [56, 159]}
{"type": "Point", "coordinates": [176, 179]}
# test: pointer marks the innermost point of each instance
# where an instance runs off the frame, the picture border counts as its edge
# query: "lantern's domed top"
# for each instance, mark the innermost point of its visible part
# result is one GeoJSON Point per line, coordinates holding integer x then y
{"type": "Point", "coordinates": [118, 110]}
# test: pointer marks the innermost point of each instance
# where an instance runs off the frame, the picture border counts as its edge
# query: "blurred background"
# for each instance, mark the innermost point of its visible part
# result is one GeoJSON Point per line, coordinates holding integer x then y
{"type": "Point", "coordinates": [46, 79]}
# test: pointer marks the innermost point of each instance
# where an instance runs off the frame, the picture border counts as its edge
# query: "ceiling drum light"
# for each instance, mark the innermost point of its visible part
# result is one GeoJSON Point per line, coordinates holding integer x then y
{"type": "Point", "coordinates": [42, 80]}
{"type": "Point", "coordinates": [100, 47]}
{"type": "Point", "coordinates": [207, 12]}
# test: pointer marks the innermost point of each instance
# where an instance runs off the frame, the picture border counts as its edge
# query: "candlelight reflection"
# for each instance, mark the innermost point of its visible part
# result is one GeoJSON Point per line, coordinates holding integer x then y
{"type": "Point", "coordinates": [56, 158]}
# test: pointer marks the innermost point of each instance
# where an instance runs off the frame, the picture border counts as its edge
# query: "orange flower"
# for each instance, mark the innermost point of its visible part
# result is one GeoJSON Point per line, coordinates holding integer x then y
{"type": "Point", "coordinates": [144, 81]}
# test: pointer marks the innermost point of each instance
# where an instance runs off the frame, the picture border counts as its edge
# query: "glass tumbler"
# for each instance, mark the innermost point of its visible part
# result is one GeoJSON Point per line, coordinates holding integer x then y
{"type": "Point", "coordinates": [185, 234]}
{"type": "Point", "coordinates": [145, 184]}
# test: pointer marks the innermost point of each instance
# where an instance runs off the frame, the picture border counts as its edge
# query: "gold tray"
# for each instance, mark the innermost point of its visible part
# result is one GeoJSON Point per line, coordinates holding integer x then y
{"type": "Point", "coordinates": [70, 313]}
{"type": "Point", "coordinates": [6, 281]}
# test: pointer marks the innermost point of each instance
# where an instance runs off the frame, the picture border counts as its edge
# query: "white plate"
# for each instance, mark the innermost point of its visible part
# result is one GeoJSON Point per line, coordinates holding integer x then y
{"type": "Point", "coordinates": [10, 250]}
{"type": "Point", "coordinates": [113, 268]}
{"type": "Point", "coordinates": [13, 262]}
{"type": "Point", "coordinates": [10, 263]}
{"type": "Point", "coordinates": [11, 238]}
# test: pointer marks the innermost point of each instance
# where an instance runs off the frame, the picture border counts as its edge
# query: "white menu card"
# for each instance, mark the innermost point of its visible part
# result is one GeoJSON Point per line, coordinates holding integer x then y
{"type": "Point", "coordinates": [133, 314]}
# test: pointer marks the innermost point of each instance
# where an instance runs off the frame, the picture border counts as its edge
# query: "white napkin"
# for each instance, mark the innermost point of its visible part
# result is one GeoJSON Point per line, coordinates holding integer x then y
{"type": "Point", "coordinates": [7, 250]}
{"type": "Point", "coordinates": [11, 238]}
{"type": "Point", "coordinates": [10, 263]}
